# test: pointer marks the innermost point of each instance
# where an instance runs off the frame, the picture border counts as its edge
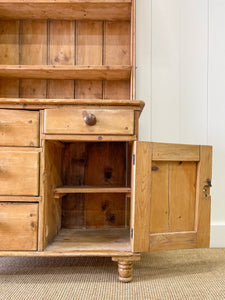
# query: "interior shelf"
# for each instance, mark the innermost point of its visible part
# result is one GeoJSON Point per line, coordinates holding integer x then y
{"type": "Point", "coordinates": [91, 240]}
{"type": "Point", "coordinates": [66, 9]}
{"type": "Point", "coordinates": [90, 189]}
{"type": "Point", "coordinates": [66, 72]}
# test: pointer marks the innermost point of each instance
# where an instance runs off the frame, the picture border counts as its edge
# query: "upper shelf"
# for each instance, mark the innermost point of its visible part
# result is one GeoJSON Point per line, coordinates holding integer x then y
{"type": "Point", "coordinates": [111, 10]}
{"type": "Point", "coordinates": [66, 72]}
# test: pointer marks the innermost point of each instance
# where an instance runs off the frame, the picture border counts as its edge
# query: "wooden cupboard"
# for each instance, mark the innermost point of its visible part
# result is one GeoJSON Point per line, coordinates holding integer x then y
{"type": "Point", "coordinates": [74, 179]}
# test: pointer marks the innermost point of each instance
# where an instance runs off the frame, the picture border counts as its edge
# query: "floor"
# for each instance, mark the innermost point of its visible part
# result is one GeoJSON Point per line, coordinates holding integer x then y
{"type": "Point", "coordinates": [183, 274]}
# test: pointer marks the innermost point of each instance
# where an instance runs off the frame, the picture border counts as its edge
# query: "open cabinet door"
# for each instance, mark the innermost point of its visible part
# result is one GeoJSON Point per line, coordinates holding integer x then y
{"type": "Point", "coordinates": [170, 199]}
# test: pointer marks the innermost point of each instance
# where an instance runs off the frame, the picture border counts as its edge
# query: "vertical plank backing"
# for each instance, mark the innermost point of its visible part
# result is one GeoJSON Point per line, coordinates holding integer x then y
{"type": "Point", "coordinates": [74, 161]}
{"type": "Point", "coordinates": [204, 198]}
{"type": "Point", "coordinates": [104, 168]}
{"type": "Point", "coordinates": [159, 209]}
{"type": "Point", "coordinates": [140, 196]}
{"type": "Point", "coordinates": [88, 89]}
{"type": "Point", "coordinates": [105, 210]}
{"type": "Point", "coordinates": [61, 42]}
{"type": "Point", "coordinates": [9, 55]}
{"type": "Point", "coordinates": [182, 195]}
{"type": "Point", "coordinates": [33, 51]}
{"type": "Point", "coordinates": [61, 89]}
{"type": "Point", "coordinates": [9, 42]}
{"type": "Point", "coordinates": [118, 90]}
{"type": "Point", "coordinates": [89, 52]}
{"type": "Point", "coordinates": [89, 43]}
{"type": "Point", "coordinates": [9, 88]}
{"type": "Point", "coordinates": [117, 43]}
{"type": "Point", "coordinates": [117, 52]}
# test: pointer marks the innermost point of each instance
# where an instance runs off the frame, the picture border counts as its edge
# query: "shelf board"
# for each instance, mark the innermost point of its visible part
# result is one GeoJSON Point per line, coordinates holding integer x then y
{"type": "Point", "coordinates": [90, 189]}
{"type": "Point", "coordinates": [110, 10]}
{"type": "Point", "coordinates": [97, 240]}
{"type": "Point", "coordinates": [66, 72]}
{"type": "Point", "coordinates": [138, 104]}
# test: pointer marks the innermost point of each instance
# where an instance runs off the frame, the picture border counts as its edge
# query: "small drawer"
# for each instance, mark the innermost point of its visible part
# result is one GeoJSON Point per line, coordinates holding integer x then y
{"type": "Point", "coordinates": [19, 128]}
{"type": "Point", "coordinates": [19, 172]}
{"type": "Point", "coordinates": [18, 226]}
{"type": "Point", "coordinates": [89, 121]}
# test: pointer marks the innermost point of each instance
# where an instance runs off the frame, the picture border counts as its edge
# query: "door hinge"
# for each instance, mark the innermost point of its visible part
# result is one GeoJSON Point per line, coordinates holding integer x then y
{"type": "Point", "coordinates": [132, 233]}
{"type": "Point", "coordinates": [133, 159]}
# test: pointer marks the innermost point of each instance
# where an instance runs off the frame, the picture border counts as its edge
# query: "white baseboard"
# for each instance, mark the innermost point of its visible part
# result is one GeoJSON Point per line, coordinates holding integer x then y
{"type": "Point", "coordinates": [217, 237]}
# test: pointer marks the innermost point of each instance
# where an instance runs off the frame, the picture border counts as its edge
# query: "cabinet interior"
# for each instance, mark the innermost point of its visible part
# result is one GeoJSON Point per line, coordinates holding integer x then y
{"type": "Point", "coordinates": [87, 188]}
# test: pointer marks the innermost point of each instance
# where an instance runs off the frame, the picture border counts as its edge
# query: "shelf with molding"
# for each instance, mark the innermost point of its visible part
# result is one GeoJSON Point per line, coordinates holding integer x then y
{"type": "Point", "coordinates": [111, 10]}
{"type": "Point", "coordinates": [66, 72]}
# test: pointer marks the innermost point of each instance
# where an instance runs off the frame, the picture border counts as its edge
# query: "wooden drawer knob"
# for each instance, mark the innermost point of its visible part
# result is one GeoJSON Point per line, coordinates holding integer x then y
{"type": "Point", "coordinates": [90, 119]}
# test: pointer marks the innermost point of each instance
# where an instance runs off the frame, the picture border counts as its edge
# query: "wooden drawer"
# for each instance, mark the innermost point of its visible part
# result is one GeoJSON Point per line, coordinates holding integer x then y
{"type": "Point", "coordinates": [19, 171]}
{"type": "Point", "coordinates": [19, 128]}
{"type": "Point", "coordinates": [18, 226]}
{"type": "Point", "coordinates": [74, 121]}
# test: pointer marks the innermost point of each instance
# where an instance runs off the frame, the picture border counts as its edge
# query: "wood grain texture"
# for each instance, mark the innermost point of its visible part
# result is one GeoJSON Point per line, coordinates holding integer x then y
{"type": "Point", "coordinates": [89, 89]}
{"type": "Point", "coordinates": [104, 169]}
{"type": "Point", "coordinates": [91, 240]}
{"type": "Point", "coordinates": [203, 192]}
{"type": "Point", "coordinates": [18, 226]}
{"type": "Point", "coordinates": [71, 121]}
{"type": "Point", "coordinates": [125, 269]}
{"type": "Point", "coordinates": [61, 41]}
{"type": "Point", "coordinates": [9, 54]}
{"type": "Point", "coordinates": [88, 138]}
{"type": "Point", "coordinates": [175, 152]}
{"type": "Point", "coordinates": [9, 88]}
{"type": "Point", "coordinates": [119, 89]}
{"type": "Point", "coordinates": [64, 10]}
{"type": "Point", "coordinates": [89, 52]}
{"type": "Point", "coordinates": [117, 43]}
{"type": "Point", "coordinates": [105, 210]}
{"type": "Point", "coordinates": [182, 196]}
{"type": "Point", "coordinates": [173, 241]}
{"type": "Point", "coordinates": [61, 89]}
{"type": "Point", "coordinates": [140, 195]}
{"type": "Point", "coordinates": [73, 206]}
{"type": "Point", "coordinates": [19, 172]}
{"type": "Point", "coordinates": [159, 207]}
{"type": "Point", "coordinates": [76, 253]}
{"type": "Point", "coordinates": [33, 51]}
{"type": "Point", "coordinates": [91, 190]}
{"type": "Point", "coordinates": [42, 205]}
{"type": "Point", "coordinates": [9, 42]}
{"type": "Point", "coordinates": [66, 72]}
{"type": "Point", "coordinates": [89, 43]}
{"type": "Point", "coordinates": [138, 104]}
{"type": "Point", "coordinates": [19, 128]}
{"type": "Point", "coordinates": [19, 199]}
{"type": "Point", "coordinates": [33, 39]}
{"type": "Point", "coordinates": [52, 177]}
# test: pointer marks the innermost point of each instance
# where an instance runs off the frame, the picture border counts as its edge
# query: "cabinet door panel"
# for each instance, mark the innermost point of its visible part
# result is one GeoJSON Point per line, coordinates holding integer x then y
{"type": "Point", "coordinates": [172, 182]}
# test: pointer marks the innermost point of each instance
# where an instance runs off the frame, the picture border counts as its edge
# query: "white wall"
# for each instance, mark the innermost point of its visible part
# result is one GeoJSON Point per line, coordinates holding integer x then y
{"type": "Point", "coordinates": [181, 77]}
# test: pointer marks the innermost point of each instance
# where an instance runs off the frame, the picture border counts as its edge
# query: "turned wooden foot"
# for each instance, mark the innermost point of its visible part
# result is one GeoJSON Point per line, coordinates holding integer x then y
{"type": "Point", "coordinates": [125, 269]}
{"type": "Point", "coordinates": [125, 266]}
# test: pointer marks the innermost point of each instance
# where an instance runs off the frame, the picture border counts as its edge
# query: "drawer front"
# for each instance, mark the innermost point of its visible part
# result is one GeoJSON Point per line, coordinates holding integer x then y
{"type": "Point", "coordinates": [89, 121]}
{"type": "Point", "coordinates": [19, 128]}
{"type": "Point", "coordinates": [18, 226]}
{"type": "Point", "coordinates": [19, 172]}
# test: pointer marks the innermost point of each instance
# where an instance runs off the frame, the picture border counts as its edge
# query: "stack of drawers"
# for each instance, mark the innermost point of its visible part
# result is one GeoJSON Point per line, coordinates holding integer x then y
{"type": "Point", "coordinates": [19, 179]}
